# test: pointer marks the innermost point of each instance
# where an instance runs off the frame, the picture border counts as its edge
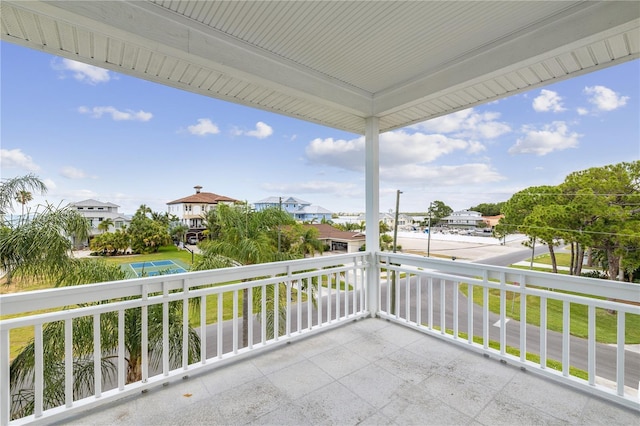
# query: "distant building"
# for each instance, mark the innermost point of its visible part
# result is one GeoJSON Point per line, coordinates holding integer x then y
{"type": "Point", "coordinates": [299, 209]}
{"type": "Point", "coordinates": [492, 221]}
{"type": "Point", "coordinates": [95, 212]}
{"type": "Point", "coordinates": [463, 219]}
{"type": "Point", "coordinates": [192, 209]}
{"type": "Point", "coordinates": [405, 222]}
{"type": "Point", "coordinates": [337, 240]}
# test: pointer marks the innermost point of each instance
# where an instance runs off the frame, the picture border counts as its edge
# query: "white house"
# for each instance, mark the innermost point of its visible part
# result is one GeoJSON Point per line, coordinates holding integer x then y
{"type": "Point", "coordinates": [95, 212]}
{"type": "Point", "coordinates": [192, 209]}
{"type": "Point", "coordinates": [300, 210]}
{"type": "Point", "coordinates": [463, 219]}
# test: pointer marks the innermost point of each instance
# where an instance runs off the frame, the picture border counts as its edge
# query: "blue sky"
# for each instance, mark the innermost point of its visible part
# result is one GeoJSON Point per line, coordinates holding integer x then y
{"type": "Point", "coordinates": [92, 133]}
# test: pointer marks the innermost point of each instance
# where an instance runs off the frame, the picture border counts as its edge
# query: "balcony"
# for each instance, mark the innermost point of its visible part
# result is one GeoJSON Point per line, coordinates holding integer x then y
{"type": "Point", "coordinates": [314, 355]}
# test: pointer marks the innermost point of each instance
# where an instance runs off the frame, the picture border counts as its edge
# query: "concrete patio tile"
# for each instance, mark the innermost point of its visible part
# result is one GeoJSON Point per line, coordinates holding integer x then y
{"type": "Point", "coordinates": [401, 336]}
{"type": "Point", "coordinates": [371, 347]}
{"type": "Point", "coordinates": [547, 396]}
{"type": "Point", "coordinates": [461, 394]}
{"type": "Point", "coordinates": [229, 376]}
{"type": "Point", "coordinates": [505, 410]}
{"type": "Point", "coordinates": [435, 350]}
{"type": "Point", "coordinates": [404, 410]}
{"type": "Point", "coordinates": [310, 347]}
{"type": "Point", "coordinates": [373, 384]}
{"type": "Point", "coordinates": [599, 412]}
{"type": "Point", "coordinates": [286, 415]}
{"type": "Point", "coordinates": [335, 404]}
{"type": "Point", "coordinates": [409, 366]}
{"type": "Point", "coordinates": [339, 361]}
{"type": "Point", "coordinates": [273, 360]}
{"type": "Point", "coordinates": [480, 369]}
{"type": "Point", "coordinates": [300, 379]}
{"type": "Point", "coordinates": [245, 403]}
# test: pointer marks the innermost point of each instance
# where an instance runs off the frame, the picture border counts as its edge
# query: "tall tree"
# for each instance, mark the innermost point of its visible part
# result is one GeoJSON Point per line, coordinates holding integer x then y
{"type": "Point", "coordinates": [23, 197]}
{"type": "Point", "coordinates": [105, 224]}
{"type": "Point", "coordinates": [10, 188]}
{"type": "Point", "coordinates": [148, 235]}
{"type": "Point", "coordinates": [245, 238]}
{"type": "Point", "coordinates": [53, 337]}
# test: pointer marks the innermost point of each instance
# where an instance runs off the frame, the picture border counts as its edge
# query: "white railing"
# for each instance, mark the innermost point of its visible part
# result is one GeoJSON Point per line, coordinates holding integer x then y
{"type": "Point", "coordinates": [429, 295]}
{"type": "Point", "coordinates": [292, 299]}
{"type": "Point", "coordinates": [287, 299]}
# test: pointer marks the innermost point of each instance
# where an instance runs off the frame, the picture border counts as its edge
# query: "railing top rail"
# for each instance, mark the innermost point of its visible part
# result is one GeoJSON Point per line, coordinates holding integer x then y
{"type": "Point", "coordinates": [593, 286]}
{"type": "Point", "coordinates": [16, 303]}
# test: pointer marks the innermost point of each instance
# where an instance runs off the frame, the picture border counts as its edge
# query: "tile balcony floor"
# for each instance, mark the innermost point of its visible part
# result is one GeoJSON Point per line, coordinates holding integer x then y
{"type": "Point", "coordinates": [366, 372]}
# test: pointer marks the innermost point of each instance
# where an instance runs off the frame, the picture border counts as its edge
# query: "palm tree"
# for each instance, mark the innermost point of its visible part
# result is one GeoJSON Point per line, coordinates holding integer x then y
{"type": "Point", "coordinates": [39, 247]}
{"type": "Point", "coordinates": [23, 197]}
{"type": "Point", "coordinates": [83, 271]}
{"type": "Point", "coordinates": [245, 238]}
{"type": "Point", "coordinates": [10, 188]}
{"type": "Point", "coordinates": [105, 224]}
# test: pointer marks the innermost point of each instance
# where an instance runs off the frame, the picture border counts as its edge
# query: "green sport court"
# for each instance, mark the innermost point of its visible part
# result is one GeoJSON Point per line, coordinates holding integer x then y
{"type": "Point", "coordinates": [153, 268]}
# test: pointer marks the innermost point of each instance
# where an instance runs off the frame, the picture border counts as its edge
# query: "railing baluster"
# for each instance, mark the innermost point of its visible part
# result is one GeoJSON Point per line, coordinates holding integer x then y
{"type": "Point", "coordinates": [165, 331]}
{"type": "Point", "coordinates": [203, 329]}
{"type": "Point", "coordinates": [620, 353]}
{"type": "Point", "coordinates": [419, 300]}
{"type": "Point", "coordinates": [338, 291]}
{"type": "Point", "coordinates": [144, 334]}
{"type": "Point", "coordinates": [485, 317]}
{"type": "Point", "coordinates": [276, 311]}
{"type": "Point", "coordinates": [97, 356]}
{"type": "Point", "coordinates": [250, 317]}
{"type": "Point", "coordinates": [309, 303]}
{"type": "Point", "coordinates": [503, 314]}
{"type": "Point", "coordinates": [299, 305]}
{"type": "Point", "coordinates": [5, 388]}
{"type": "Point", "coordinates": [185, 326]}
{"type": "Point", "coordinates": [38, 384]}
{"type": "Point", "coordinates": [523, 318]}
{"type": "Point", "coordinates": [407, 298]}
{"type": "Point", "coordinates": [430, 305]}
{"type": "Point", "coordinates": [220, 328]}
{"type": "Point", "coordinates": [263, 325]}
{"type": "Point", "coordinates": [236, 295]}
{"type": "Point", "coordinates": [288, 320]}
{"type": "Point", "coordinates": [543, 332]}
{"type": "Point", "coordinates": [329, 297]}
{"type": "Point", "coordinates": [68, 362]}
{"type": "Point", "coordinates": [566, 316]}
{"type": "Point", "coordinates": [320, 308]}
{"type": "Point", "coordinates": [591, 336]}
{"type": "Point", "coordinates": [455, 309]}
{"type": "Point", "coordinates": [470, 313]}
{"type": "Point", "coordinates": [443, 307]}
{"type": "Point", "coordinates": [122, 370]}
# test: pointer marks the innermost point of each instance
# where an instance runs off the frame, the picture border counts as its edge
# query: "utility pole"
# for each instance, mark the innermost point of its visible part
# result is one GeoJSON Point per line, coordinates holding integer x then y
{"type": "Point", "coordinates": [429, 234]}
{"type": "Point", "coordinates": [395, 223]}
{"type": "Point", "coordinates": [395, 238]}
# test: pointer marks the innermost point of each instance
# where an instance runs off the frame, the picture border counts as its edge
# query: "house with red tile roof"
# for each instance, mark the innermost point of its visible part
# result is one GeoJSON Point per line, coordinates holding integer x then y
{"type": "Point", "coordinates": [192, 209]}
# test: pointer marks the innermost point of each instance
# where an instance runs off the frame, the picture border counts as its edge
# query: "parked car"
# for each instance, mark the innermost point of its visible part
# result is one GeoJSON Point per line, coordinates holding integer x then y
{"type": "Point", "coordinates": [192, 240]}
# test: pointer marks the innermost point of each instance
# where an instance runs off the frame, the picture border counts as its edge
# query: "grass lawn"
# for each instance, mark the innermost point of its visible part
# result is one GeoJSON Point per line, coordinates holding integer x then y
{"type": "Point", "coordinates": [606, 323]}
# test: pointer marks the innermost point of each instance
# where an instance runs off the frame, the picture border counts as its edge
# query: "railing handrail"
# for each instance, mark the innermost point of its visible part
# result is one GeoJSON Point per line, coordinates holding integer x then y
{"type": "Point", "coordinates": [585, 285]}
{"type": "Point", "coordinates": [16, 303]}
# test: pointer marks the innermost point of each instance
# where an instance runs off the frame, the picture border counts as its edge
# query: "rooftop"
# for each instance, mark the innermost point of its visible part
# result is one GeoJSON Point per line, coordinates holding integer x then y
{"type": "Point", "coordinates": [369, 371]}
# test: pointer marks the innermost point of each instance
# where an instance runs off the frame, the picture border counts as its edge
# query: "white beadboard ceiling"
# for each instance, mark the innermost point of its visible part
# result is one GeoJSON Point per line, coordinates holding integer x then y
{"type": "Point", "coordinates": [337, 62]}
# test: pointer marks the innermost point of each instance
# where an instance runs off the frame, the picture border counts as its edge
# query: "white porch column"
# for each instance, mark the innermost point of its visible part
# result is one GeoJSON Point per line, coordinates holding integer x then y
{"type": "Point", "coordinates": [372, 205]}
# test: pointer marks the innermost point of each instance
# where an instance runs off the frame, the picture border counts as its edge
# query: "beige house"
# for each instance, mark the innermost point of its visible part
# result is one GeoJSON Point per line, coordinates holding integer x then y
{"type": "Point", "coordinates": [192, 209]}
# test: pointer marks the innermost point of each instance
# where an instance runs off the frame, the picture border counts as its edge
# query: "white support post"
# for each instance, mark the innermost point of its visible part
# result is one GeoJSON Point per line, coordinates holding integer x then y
{"type": "Point", "coordinates": [372, 206]}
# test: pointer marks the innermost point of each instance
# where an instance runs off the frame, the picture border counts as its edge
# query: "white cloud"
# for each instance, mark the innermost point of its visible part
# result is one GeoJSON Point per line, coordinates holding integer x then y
{"type": "Point", "coordinates": [73, 173]}
{"type": "Point", "coordinates": [16, 159]}
{"type": "Point", "coordinates": [467, 124]}
{"type": "Point", "coordinates": [463, 174]}
{"type": "Point", "coordinates": [84, 73]}
{"type": "Point", "coordinates": [313, 187]}
{"type": "Point", "coordinates": [204, 127]}
{"type": "Point", "coordinates": [582, 111]}
{"type": "Point", "coordinates": [397, 148]}
{"type": "Point", "coordinates": [262, 131]}
{"type": "Point", "coordinates": [552, 137]}
{"type": "Point", "coordinates": [548, 100]}
{"type": "Point", "coordinates": [604, 98]}
{"type": "Point", "coordinates": [116, 115]}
